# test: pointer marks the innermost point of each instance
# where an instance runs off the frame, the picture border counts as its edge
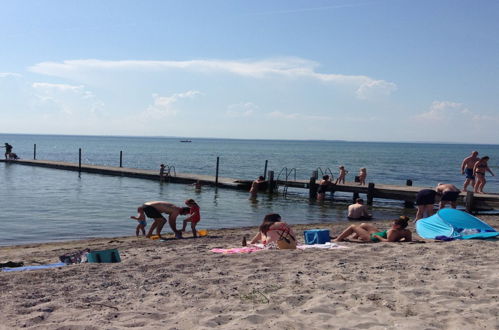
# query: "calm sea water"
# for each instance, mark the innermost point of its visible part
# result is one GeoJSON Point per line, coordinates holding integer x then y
{"type": "Point", "coordinates": [41, 204]}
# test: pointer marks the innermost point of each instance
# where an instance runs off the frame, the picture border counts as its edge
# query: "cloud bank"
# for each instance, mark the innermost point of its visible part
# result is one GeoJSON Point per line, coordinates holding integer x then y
{"type": "Point", "coordinates": [289, 67]}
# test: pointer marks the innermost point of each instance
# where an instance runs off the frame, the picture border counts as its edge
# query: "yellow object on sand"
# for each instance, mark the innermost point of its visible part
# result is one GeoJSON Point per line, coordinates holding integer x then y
{"type": "Point", "coordinates": [155, 237]}
{"type": "Point", "coordinates": [202, 232]}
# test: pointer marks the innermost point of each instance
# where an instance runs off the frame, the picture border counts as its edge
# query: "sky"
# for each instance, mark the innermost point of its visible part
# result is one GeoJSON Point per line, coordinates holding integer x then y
{"type": "Point", "coordinates": [357, 70]}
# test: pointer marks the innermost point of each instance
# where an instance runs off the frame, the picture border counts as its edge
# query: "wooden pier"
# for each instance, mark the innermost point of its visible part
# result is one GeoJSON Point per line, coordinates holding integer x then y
{"type": "Point", "coordinates": [407, 194]}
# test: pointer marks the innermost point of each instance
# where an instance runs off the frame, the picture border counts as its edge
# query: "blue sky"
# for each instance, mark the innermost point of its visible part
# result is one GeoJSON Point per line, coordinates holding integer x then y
{"type": "Point", "coordinates": [366, 70]}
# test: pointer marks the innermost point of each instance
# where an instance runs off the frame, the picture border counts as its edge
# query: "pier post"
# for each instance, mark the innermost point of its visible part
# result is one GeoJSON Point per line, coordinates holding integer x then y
{"type": "Point", "coordinates": [312, 186]}
{"type": "Point", "coordinates": [79, 160]}
{"type": "Point", "coordinates": [408, 204]}
{"type": "Point", "coordinates": [216, 175]}
{"type": "Point", "coordinates": [355, 196]}
{"type": "Point", "coordinates": [34, 151]}
{"type": "Point", "coordinates": [121, 158]}
{"type": "Point", "coordinates": [265, 170]}
{"type": "Point", "coordinates": [469, 201]}
{"type": "Point", "coordinates": [272, 184]}
{"type": "Point", "coordinates": [370, 193]}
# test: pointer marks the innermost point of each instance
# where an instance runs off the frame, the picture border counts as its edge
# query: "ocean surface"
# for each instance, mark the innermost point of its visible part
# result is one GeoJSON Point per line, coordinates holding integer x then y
{"type": "Point", "coordinates": [39, 204]}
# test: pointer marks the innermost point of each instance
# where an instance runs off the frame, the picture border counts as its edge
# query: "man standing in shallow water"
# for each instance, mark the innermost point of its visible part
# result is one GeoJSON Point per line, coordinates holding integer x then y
{"type": "Point", "coordinates": [467, 169]}
{"type": "Point", "coordinates": [154, 209]}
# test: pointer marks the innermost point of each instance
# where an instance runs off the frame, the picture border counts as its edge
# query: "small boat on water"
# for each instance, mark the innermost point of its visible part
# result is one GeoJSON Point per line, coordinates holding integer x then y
{"type": "Point", "coordinates": [185, 141]}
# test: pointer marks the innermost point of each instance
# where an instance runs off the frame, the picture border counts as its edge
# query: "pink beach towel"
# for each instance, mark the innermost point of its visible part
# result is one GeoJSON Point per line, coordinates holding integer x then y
{"type": "Point", "coordinates": [246, 249]}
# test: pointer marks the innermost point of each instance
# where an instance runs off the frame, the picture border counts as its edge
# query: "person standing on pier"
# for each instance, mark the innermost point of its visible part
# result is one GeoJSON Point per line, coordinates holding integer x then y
{"type": "Point", "coordinates": [154, 209]}
{"type": "Point", "coordinates": [449, 193]}
{"type": "Point", "coordinates": [481, 166]}
{"type": "Point", "coordinates": [8, 150]}
{"type": "Point", "coordinates": [161, 172]}
{"type": "Point", "coordinates": [342, 175]}
{"type": "Point", "coordinates": [362, 176]}
{"type": "Point", "coordinates": [467, 169]}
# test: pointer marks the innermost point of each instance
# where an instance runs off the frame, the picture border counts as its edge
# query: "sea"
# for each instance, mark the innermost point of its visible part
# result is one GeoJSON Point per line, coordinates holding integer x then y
{"type": "Point", "coordinates": [44, 205]}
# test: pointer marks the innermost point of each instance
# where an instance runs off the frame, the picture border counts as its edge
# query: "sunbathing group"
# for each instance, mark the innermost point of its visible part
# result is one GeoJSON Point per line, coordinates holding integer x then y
{"type": "Point", "coordinates": [274, 232]}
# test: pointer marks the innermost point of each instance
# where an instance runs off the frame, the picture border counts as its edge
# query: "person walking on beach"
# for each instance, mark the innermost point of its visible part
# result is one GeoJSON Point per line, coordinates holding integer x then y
{"type": "Point", "coordinates": [358, 211]}
{"type": "Point", "coordinates": [8, 150]}
{"type": "Point", "coordinates": [449, 194]}
{"type": "Point", "coordinates": [154, 209]}
{"type": "Point", "coordinates": [467, 169]}
{"type": "Point", "coordinates": [481, 166]}
{"type": "Point", "coordinates": [255, 186]}
{"type": "Point", "coordinates": [425, 200]}
{"type": "Point", "coordinates": [342, 175]}
{"type": "Point", "coordinates": [194, 216]}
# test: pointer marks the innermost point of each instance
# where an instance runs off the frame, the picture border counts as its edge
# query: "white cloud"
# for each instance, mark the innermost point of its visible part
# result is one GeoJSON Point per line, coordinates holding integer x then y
{"type": "Point", "coordinates": [246, 109]}
{"type": "Point", "coordinates": [9, 75]}
{"type": "Point", "coordinates": [164, 106]}
{"type": "Point", "coordinates": [289, 67]}
{"type": "Point", "coordinates": [70, 99]}
{"type": "Point", "coordinates": [296, 116]}
{"type": "Point", "coordinates": [375, 88]}
{"type": "Point", "coordinates": [443, 110]}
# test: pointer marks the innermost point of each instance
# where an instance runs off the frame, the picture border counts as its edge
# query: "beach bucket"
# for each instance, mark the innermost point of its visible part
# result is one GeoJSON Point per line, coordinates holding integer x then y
{"type": "Point", "coordinates": [104, 256]}
{"type": "Point", "coordinates": [316, 236]}
{"type": "Point", "coordinates": [202, 232]}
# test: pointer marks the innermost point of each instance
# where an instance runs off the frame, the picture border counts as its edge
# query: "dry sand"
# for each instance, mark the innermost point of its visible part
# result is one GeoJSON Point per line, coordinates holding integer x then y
{"type": "Point", "coordinates": [180, 284]}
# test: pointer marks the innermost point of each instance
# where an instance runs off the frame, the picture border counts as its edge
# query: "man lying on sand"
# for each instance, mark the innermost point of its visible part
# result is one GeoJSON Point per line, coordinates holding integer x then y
{"type": "Point", "coordinates": [369, 233]}
{"type": "Point", "coordinates": [154, 209]}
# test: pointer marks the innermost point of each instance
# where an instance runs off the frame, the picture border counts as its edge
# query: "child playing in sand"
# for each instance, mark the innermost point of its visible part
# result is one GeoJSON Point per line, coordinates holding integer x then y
{"type": "Point", "coordinates": [142, 223]}
{"type": "Point", "coordinates": [362, 176]}
{"type": "Point", "coordinates": [194, 216]}
{"type": "Point", "coordinates": [341, 176]}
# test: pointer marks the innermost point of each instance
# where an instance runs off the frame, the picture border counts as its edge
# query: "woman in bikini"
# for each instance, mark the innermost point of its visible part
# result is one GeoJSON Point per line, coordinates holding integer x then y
{"type": "Point", "coordinates": [274, 231]}
{"type": "Point", "coordinates": [369, 233]}
{"type": "Point", "coordinates": [479, 171]}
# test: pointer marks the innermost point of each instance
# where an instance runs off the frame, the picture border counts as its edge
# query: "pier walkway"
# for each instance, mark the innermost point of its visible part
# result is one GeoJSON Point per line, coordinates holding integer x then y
{"type": "Point", "coordinates": [407, 194]}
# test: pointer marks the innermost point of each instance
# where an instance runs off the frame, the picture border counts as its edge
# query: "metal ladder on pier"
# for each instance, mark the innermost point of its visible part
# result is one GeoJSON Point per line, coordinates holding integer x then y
{"type": "Point", "coordinates": [287, 173]}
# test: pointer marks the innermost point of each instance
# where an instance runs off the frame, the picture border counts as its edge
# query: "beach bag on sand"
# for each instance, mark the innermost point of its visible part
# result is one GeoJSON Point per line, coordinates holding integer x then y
{"type": "Point", "coordinates": [316, 236]}
{"type": "Point", "coordinates": [104, 256]}
{"type": "Point", "coordinates": [75, 257]}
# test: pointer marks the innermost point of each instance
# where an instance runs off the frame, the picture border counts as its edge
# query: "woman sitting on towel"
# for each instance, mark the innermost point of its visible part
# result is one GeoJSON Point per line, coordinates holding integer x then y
{"type": "Point", "coordinates": [368, 233]}
{"type": "Point", "coordinates": [274, 231]}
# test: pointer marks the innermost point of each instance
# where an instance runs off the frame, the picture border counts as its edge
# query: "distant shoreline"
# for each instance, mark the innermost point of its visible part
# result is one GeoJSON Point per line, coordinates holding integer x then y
{"type": "Point", "coordinates": [193, 138]}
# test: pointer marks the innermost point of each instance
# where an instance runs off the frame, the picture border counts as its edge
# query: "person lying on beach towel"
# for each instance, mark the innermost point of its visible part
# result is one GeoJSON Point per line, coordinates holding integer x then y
{"type": "Point", "coordinates": [275, 231]}
{"type": "Point", "coordinates": [366, 232]}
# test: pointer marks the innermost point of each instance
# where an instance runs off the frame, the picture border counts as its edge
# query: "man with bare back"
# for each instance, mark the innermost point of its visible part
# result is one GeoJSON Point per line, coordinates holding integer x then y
{"type": "Point", "coordinates": [154, 209]}
{"type": "Point", "coordinates": [467, 169]}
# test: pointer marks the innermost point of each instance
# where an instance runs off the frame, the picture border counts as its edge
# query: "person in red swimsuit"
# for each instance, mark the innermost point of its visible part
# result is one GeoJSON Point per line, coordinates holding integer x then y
{"type": "Point", "coordinates": [194, 216]}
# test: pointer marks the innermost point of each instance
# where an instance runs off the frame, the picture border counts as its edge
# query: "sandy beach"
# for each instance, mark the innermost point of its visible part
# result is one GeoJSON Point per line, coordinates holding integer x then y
{"type": "Point", "coordinates": [181, 284]}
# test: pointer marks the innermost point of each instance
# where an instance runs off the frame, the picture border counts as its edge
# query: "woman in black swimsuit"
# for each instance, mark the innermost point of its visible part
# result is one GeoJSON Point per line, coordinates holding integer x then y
{"type": "Point", "coordinates": [479, 170]}
{"type": "Point", "coordinates": [323, 186]}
